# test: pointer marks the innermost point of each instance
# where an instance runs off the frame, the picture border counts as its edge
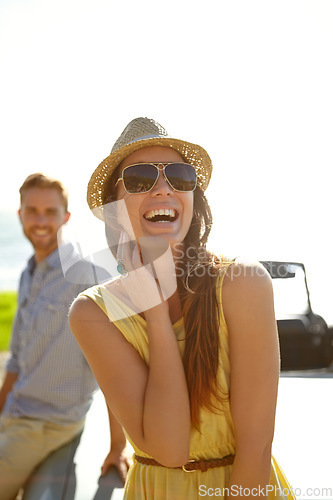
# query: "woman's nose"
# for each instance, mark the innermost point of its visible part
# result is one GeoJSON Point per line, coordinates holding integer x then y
{"type": "Point", "coordinates": [162, 186]}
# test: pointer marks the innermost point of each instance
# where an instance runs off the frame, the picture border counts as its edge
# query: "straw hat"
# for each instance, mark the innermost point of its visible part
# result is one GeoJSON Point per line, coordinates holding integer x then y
{"type": "Point", "coordinates": [141, 133]}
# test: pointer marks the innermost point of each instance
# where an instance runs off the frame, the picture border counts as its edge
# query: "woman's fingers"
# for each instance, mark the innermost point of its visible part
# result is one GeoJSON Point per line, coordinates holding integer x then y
{"type": "Point", "coordinates": [142, 289]}
{"type": "Point", "coordinates": [138, 284]}
{"type": "Point", "coordinates": [150, 275]}
{"type": "Point", "coordinates": [136, 258]}
{"type": "Point", "coordinates": [165, 272]}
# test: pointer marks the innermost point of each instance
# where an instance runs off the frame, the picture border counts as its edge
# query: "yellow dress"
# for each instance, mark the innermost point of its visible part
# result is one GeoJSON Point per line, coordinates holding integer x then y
{"type": "Point", "coordinates": [216, 438]}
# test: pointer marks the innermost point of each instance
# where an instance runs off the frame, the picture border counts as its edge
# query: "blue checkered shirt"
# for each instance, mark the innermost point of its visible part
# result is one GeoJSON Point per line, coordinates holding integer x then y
{"type": "Point", "coordinates": [54, 381]}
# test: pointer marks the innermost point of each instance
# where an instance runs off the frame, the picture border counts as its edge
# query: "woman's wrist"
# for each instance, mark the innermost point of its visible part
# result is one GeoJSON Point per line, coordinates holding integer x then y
{"type": "Point", "coordinates": [157, 314]}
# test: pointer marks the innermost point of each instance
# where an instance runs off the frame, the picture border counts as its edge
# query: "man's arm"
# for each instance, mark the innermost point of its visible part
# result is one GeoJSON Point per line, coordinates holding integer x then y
{"type": "Point", "coordinates": [7, 386]}
{"type": "Point", "coordinates": [117, 455]}
{"type": "Point", "coordinates": [12, 367]}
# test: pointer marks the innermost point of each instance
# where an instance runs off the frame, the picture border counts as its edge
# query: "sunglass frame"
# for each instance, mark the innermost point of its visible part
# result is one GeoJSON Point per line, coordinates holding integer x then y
{"type": "Point", "coordinates": [157, 165]}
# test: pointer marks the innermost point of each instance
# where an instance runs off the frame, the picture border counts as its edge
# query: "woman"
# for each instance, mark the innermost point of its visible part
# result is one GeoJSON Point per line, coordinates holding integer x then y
{"type": "Point", "coordinates": [189, 363]}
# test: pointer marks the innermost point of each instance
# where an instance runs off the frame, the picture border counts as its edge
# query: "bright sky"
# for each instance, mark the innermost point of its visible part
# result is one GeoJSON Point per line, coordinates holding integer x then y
{"type": "Point", "coordinates": [249, 80]}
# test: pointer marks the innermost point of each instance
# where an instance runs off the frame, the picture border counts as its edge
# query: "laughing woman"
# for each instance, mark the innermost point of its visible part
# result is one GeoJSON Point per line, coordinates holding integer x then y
{"type": "Point", "coordinates": [183, 344]}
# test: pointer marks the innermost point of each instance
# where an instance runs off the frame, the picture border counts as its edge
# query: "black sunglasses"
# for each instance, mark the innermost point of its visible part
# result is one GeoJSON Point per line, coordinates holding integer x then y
{"type": "Point", "coordinates": [142, 177]}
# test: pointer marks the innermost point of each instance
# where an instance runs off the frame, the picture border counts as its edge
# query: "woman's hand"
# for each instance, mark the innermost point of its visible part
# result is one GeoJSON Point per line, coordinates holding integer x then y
{"type": "Point", "coordinates": [119, 460]}
{"type": "Point", "coordinates": [149, 277]}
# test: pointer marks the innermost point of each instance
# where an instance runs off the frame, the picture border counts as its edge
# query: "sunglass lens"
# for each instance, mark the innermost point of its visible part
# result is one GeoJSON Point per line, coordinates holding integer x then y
{"type": "Point", "coordinates": [181, 176]}
{"type": "Point", "coordinates": [139, 178]}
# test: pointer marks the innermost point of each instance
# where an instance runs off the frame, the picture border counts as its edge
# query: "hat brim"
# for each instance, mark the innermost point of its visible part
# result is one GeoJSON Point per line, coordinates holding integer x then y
{"type": "Point", "coordinates": [192, 153]}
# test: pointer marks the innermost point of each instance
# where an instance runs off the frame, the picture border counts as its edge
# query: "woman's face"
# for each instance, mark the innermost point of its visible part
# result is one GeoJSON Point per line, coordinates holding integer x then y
{"type": "Point", "coordinates": [141, 206]}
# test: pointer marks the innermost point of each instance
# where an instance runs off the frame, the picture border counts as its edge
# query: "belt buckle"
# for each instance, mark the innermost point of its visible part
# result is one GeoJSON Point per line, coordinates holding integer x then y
{"type": "Point", "coordinates": [184, 467]}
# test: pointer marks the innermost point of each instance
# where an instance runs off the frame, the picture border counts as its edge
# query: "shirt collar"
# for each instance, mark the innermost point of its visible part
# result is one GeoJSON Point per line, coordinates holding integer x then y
{"type": "Point", "coordinates": [52, 260]}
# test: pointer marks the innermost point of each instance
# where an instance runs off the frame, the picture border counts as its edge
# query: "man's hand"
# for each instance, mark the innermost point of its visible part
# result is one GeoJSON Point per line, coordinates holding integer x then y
{"type": "Point", "coordinates": [7, 385]}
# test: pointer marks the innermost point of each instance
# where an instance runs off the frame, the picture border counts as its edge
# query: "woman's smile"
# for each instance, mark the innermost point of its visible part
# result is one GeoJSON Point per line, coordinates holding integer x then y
{"type": "Point", "coordinates": [161, 215]}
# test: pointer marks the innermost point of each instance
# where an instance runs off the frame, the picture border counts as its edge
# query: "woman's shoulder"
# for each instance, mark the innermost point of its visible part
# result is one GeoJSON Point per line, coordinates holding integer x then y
{"type": "Point", "coordinates": [91, 304]}
{"type": "Point", "coordinates": [107, 301]}
{"type": "Point", "coordinates": [85, 306]}
{"type": "Point", "coordinates": [246, 282]}
{"type": "Point", "coordinates": [97, 295]}
{"type": "Point", "coordinates": [246, 272]}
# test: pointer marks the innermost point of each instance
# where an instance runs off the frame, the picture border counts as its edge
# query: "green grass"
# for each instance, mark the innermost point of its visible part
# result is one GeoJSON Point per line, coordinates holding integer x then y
{"type": "Point", "coordinates": [7, 311]}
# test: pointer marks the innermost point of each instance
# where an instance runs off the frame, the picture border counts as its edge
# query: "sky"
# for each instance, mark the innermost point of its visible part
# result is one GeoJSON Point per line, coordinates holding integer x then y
{"type": "Point", "coordinates": [251, 81]}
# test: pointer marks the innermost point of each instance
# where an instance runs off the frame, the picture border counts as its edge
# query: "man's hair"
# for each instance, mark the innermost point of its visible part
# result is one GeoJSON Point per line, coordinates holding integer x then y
{"type": "Point", "coordinates": [42, 181]}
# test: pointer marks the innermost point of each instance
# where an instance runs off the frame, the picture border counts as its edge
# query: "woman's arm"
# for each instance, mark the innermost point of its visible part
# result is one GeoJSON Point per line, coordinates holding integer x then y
{"type": "Point", "coordinates": [117, 455]}
{"type": "Point", "coordinates": [151, 403]}
{"type": "Point", "coordinates": [254, 365]}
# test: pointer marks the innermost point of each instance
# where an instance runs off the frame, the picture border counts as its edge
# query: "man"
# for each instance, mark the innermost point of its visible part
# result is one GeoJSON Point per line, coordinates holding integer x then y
{"type": "Point", "coordinates": [48, 386]}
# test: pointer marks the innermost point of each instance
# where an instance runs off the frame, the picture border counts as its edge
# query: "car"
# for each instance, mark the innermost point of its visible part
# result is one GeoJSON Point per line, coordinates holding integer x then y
{"type": "Point", "coordinates": [306, 341]}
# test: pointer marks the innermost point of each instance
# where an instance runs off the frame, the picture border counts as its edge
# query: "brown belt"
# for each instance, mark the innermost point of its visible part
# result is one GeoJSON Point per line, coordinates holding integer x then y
{"type": "Point", "coordinates": [192, 465]}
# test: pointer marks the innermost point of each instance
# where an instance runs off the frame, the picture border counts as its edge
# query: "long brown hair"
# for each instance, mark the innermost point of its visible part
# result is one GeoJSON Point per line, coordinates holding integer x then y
{"type": "Point", "coordinates": [201, 313]}
{"type": "Point", "coordinates": [197, 273]}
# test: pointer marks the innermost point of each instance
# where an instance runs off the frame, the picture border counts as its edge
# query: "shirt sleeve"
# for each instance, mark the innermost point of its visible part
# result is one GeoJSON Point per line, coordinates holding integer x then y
{"type": "Point", "coordinates": [12, 363]}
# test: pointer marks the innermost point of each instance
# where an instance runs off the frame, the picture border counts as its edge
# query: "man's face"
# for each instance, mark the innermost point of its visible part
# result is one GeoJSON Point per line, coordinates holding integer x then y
{"type": "Point", "coordinates": [42, 213]}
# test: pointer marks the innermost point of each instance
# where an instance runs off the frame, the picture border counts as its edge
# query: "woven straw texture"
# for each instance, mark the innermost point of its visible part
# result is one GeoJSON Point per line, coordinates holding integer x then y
{"type": "Point", "coordinates": [141, 133]}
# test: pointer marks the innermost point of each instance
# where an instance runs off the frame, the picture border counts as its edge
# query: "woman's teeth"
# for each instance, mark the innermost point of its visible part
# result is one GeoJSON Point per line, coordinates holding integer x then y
{"type": "Point", "coordinates": [161, 215]}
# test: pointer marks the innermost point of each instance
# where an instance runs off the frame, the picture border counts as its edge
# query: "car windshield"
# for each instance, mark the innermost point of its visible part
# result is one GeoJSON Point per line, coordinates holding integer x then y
{"type": "Point", "coordinates": [290, 295]}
